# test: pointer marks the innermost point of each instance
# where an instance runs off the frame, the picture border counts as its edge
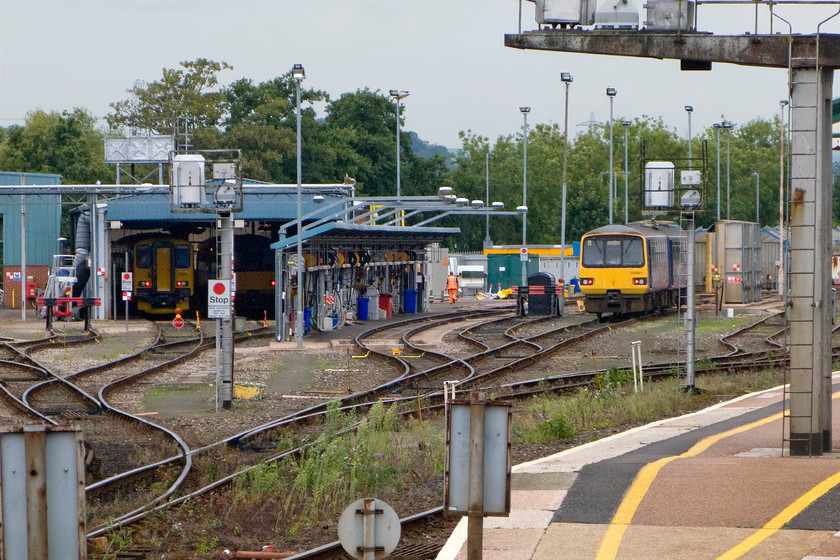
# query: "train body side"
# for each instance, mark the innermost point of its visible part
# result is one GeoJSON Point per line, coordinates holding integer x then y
{"type": "Point", "coordinates": [632, 268]}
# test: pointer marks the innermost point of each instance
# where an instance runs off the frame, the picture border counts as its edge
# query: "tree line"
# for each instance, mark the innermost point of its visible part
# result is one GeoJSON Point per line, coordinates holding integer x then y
{"type": "Point", "coordinates": [355, 134]}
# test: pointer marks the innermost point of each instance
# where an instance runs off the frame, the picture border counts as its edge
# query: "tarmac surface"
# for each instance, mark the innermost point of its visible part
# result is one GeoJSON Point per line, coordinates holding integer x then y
{"type": "Point", "coordinates": [713, 484]}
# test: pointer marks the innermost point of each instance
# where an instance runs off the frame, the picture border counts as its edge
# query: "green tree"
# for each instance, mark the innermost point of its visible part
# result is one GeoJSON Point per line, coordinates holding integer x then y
{"type": "Point", "coordinates": [65, 143]}
{"type": "Point", "coordinates": [186, 93]}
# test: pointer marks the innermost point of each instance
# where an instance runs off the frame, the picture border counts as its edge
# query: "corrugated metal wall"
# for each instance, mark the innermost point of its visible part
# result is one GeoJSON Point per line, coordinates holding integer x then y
{"type": "Point", "coordinates": [43, 220]}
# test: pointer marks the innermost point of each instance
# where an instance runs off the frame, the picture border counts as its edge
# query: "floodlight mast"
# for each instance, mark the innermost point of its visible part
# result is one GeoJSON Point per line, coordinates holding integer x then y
{"type": "Point", "coordinates": [298, 74]}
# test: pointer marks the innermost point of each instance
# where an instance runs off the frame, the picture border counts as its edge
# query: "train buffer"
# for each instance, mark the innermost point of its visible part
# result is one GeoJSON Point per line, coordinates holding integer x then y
{"type": "Point", "coordinates": [63, 307]}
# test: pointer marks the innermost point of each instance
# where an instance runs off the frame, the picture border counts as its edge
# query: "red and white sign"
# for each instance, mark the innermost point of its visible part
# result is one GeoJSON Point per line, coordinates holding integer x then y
{"type": "Point", "coordinates": [329, 300]}
{"type": "Point", "coordinates": [218, 299]}
{"type": "Point", "coordinates": [523, 254]}
{"type": "Point", "coordinates": [127, 281]}
{"type": "Point", "coordinates": [177, 322]}
{"type": "Point", "coordinates": [736, 268]}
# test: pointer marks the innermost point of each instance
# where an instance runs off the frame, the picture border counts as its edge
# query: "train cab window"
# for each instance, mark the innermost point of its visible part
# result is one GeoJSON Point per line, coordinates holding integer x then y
{"type": "Point", "coordinates": [182, 256]}
{"type": "Point", "coordinates": [143, 256]}
{"type": "Point", "coordinates": [621, 251]}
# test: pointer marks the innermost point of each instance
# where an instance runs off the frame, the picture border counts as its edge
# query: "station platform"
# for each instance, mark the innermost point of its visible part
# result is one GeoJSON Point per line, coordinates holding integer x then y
{"type": "Point", "coordinates": [708, 485]}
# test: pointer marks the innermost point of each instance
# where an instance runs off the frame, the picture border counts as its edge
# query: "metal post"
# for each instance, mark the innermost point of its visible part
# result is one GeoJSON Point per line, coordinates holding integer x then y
{"type": "Point", "coordinates": [398, 147]}
{"type": "Point", "coordinates": [728, 176]}
{"type": "Point", "coordinates": [780, 274]}
{"type": "Point", "coordinates": [299, 294]}
{"type": "Point", "coordinates": [626, 177]}
{"type": "Point", "coordinates": [525, 111]}
{"type": "Point", "coordinates": [567, 79]}
{"type": "Point", "coordinates": [610, 173]}
{"type": "Point", "coordinates": [757, 213]}
{"type": "Point", "coordinates": [398, 96]}
{"type": "Point", "coordinates": [717, 129]}
{"type": "Point", "coordinates": [689, 109]}
{"type": "Point", "coordinates": [225, 257]}
{"type": "Point", "coordinates": [487, 242]}
{"type": "Point", "coordinates": [689, 307]}
{"type": "Point", "coordinates": [475, 519]}
{"type": "Point", "coordinates": [22, 252]}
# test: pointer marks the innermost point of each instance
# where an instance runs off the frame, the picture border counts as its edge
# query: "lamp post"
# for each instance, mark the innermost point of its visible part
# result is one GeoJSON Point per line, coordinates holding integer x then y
{"type": "Point", "coordinates": [567, 79]}
{"type": "Point", "coordinates": [689, 109]}
{"type": "Point", "coordinates": [398, 96]}
{"type": "Point", "coordinates": [487, 242]}
{"type": "Point", "coordinates": [780, 275]}
{"type": "Point", "coordinates": [626, 174]}
{"type": "Point", "coordinates": [525, 111]}
{"type": "Point", "coordinates": [717, 129]}
{"type": "Point", "coordinates": [298, 75]}
{"type": "Point", "coordinates": [728, 126]}
{"type": "Point", "coordinates": [611, 92]}
{"type": "Point", "coordinates": [757, 215]}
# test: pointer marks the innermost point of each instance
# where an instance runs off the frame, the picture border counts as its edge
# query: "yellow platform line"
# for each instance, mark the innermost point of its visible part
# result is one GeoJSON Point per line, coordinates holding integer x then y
{"type": "Point", "coordinates": [627, 509]}
{"type": "Point", "coordinates": [611, 541]}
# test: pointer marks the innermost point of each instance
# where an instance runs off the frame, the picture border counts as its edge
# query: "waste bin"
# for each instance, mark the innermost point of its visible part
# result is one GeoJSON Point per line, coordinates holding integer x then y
{"type": "Point", "coordinates": [541, 303]}
{"type": "Point", "coordinates": [362, 308]}
{"type": "Point", "coordinates": [307, 316]}
{"type": "Point", "coordinates": [410, 301]}
{"type": "Point", "coordinates": [385, 304]}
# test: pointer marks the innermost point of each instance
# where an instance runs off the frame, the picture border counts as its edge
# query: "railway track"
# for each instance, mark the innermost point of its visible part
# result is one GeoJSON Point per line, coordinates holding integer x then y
{"type": "Point", "coordinates": [484, 350]}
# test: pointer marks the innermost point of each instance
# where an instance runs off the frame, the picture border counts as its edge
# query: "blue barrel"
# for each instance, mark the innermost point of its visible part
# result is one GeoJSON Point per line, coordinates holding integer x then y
{"type": "Point", "coordinates": [410, 301]}
{"type": "Point", "coordinates": [362, 306]}
{"type": "Point", "coordinates": [307, 317]}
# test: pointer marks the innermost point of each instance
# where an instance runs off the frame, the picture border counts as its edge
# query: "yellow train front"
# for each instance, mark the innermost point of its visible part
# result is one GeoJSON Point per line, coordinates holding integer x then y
{"type": "Point", "coordinates": [634, 268]}
{"type": "Point", "coordinates": [163, 273]}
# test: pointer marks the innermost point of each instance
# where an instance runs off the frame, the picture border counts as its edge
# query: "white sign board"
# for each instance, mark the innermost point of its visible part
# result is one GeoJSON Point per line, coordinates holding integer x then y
{"type": "Point", "coordinates": [127, 281]}
{"type": "Point", "coordinates": [218, 299]}
{"type": "Point", "coordinates": [497, 459]}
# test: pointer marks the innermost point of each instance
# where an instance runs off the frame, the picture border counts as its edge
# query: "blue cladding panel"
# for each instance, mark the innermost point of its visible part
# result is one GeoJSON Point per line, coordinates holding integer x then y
{"type": "Point", "coordinates": [43, 220]}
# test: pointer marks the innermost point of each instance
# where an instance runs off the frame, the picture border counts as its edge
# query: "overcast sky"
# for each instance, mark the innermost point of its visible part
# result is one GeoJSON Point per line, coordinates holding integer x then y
{"type": "Point", "coordinates": [450, 55]}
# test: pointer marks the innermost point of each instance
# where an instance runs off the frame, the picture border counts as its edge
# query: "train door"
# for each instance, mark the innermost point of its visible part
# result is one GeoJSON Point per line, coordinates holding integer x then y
{"type": "Point", "coordinates": [163, 268]}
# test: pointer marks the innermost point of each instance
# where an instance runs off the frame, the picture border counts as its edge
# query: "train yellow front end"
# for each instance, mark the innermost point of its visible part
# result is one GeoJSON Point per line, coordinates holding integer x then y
{"type": "Point", "coordinates": [632, 268]}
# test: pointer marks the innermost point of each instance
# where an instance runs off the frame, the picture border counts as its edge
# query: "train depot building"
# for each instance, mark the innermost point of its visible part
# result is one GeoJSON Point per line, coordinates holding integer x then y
{"type": "Point", "coordinates": [358, 264]}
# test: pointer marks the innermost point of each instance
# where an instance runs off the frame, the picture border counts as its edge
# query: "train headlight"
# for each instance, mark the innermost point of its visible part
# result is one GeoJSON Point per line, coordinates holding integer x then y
{"type": "Point", "coordinates": [144, 284]}
{"type": "Point", "coordinates": [587, 281]}
{"type": "Point", "coordinates": [182, 283]}
{"type": "Point", "coordinates": [639, 281]}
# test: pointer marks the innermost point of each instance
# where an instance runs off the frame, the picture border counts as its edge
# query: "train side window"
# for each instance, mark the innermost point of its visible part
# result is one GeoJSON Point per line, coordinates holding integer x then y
{"type": "Point", "coordinates": [143, 256]}
{"type": "Point", "coordinates": [182, 256]}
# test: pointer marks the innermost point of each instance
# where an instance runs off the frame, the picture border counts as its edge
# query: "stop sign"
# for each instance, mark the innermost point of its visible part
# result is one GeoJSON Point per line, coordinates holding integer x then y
{"type": "Point", "coordinates": [177, 322]}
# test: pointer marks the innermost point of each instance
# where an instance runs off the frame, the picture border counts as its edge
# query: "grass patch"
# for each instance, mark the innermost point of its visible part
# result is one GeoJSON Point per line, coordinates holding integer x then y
{"type": "Point", "coordinates": [548, 418]}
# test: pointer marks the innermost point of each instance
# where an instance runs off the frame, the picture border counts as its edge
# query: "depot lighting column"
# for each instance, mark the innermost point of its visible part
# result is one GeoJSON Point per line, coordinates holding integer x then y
{"type": "Point", "coordinates": [626, 175]}
{"type": "Point", "coordinates": [567, 79]}
{"type": "Point", "coordinates": [728, 126]}
{"type": "Point", "coordinates": [717, 129]}
{"type": "Point", "coordinates": [757, 215]}
{"type": "Point", "coordinates": [689, 109]}
{"type": "Point", "coordinates": [298, 74]}
{"type": "Point", "coordinates": [398, 96]}
{"type": "Point", "coordinates": [487, 241]}
{"type": "Point", "coordinates": [525, 111]}
{"type": "Point", "coordinates": [611, 92]}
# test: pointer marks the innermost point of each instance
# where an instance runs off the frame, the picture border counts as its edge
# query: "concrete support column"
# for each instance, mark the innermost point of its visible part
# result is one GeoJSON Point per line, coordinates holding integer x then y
{"type": "Point", "coordinates": [810, 262]}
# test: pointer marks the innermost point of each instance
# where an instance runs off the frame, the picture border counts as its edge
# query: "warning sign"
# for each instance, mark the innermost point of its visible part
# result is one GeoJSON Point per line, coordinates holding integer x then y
{"type": "Point", "coordinates": [127, 281]}
{"type": "Point", "coordinates": [218, 299]}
